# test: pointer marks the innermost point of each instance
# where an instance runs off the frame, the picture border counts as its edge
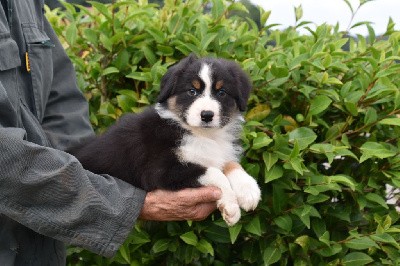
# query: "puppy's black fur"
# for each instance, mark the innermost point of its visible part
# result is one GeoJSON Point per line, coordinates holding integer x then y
{"type": "Point", "coordinates": [141, 148]}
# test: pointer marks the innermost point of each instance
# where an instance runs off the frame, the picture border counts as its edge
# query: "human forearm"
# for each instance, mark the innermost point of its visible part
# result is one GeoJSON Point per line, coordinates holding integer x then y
{"type": "Point", "coordinates": [48, 191]}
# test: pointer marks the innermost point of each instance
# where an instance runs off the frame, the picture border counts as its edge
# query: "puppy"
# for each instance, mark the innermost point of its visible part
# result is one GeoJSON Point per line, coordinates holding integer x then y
{"type": "Point", "coordinates": [190, 138]}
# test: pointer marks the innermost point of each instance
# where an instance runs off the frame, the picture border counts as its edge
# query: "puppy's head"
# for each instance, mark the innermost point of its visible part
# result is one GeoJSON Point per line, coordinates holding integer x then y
{"type": "Point", "coordinates": [205, 92]}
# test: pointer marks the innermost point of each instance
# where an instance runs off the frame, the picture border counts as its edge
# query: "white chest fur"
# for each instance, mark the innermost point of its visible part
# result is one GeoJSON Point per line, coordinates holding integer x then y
{"type": "Point", "coordinates": [210, 149]}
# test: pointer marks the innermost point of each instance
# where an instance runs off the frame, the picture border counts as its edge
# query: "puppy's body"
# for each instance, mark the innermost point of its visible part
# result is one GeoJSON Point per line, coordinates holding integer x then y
{"type": "Point", "coordinates": [186, 140]}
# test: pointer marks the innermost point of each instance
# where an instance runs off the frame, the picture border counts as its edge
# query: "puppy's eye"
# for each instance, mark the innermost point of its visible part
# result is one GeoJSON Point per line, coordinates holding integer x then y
{"type": "Point", "coordinates": [192, 92]}
{"type": "Point", "coordinates": [221, 93]}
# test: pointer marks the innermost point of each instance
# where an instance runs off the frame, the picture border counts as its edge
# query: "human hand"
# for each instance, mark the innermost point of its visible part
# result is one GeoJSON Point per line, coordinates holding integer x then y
{"type": "Point", "coordinates": [186, 204]}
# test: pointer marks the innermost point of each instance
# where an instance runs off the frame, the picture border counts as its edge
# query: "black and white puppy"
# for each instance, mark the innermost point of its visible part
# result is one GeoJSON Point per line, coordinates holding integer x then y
{"type": "Point", "coordinates": [188, 139]}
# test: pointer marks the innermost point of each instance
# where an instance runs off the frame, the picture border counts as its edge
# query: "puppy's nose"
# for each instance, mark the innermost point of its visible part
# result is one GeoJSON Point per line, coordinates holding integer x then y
{"type": "Point", "coordinates": [207, 116]}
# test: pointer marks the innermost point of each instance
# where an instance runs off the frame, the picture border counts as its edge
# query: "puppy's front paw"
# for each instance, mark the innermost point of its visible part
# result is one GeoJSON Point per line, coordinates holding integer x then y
{"type": "Point", "coordinates": [228, 204]}
{"type": "Point", "coordinates": [246, 189]}
{"type": "Point", "coordinates": [230, 212]}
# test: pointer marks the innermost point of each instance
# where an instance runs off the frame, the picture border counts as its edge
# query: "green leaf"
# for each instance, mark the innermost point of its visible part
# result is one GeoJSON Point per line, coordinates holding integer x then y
{"type": "Point", "coordinates": [237, 7]}
{"type": "Point", "coordinates": [298, 11]}
{"type": "Point", "coordinates": [91, 36]}
{"type": "Point", "coordinates": [284, 222]}
{"type": "Point", "coordinates": [279, 72]}
{"type": "Point", "coordinates": [345, 180]}
{"type": "Point", "coordinates": [275, 172]}
{"type": "Point", "coordinates": [327, 60]}
{"type": "Point", "coordinates": [279, 198]}
{"type": "Point", "coordinates": [349, 5]}
{"type": "Point", "coordinates": [110, 70]}
{"type": "Point", "coordinates": [374, 149]}
{"type": "Point", "coordinates": [71, 34]}
{"type": "Point", "coordinates": [189, 238]}
{"type": "Point", "coordinates": [304, 136]}
{"type": "Point", "coordinates": [217, 234]}
{"type": "Point", "coordinates": [234, 232]}
{"type": "Point", "coordinates": [217, 9]}
{"type": "Point", "coordinates": [125, 254]}
{"type": "Point", "coordinates": [330, 251]}
{"type": "Point", "coordinates": [205, 247]}
{"type": "Point", "coordinates": [361, 243]}
{"type": "Point", "coordinates": [386, 238]}
{"type": "Point", "coordinates": [269, 159]}
{"type": "Point", "coordinates": [271, 255]}
{"type": "Point", "coordinates": [165, 50]}
{"type": "Point", "coordinates": [262, 140]}
{"type": "Point", "coordinates": [377, 199]}
{"type": "Point", "coordinates": [319, 104]}
{"type": "Point", "coordinates": [390, 121]}
{"type": "Point", "coordinates": [139, 237]}
{"type": "Point", "coordinates": [107, 109]}
{"type": "Point", "coordinates": [294, 154]}
{"type": "Point", "coordinates": [254, 226]}
{"type": "Point", "coordinates": [303, 242]}
{"type": "Point", "coordinates": [106, 42]}
{"type": "Point", "coordinates": [297, 165]}
{"type": "Point", "coordinates": [157, 34]}
{"type": "Point", "coordinates": [101, 8]}
{"type": "Point", "coordinates": [251, 251]}
{"type": "Point", "coordinates": [351, 107]}
{"type": "Point", "coordinates": [356, 259]}
{"type": "Point", "coordinates": [161, 245]}
{"type": "Point", "coordinates": [313, 199]}
{"type": "Point", "coordinates": [370, 116]}
{"type": "Point", "coordinates": [122, 60]}
{"type": "Point", "coordinates": [387, 223]}
{"type": "Point", "coordinates": [386, 72]}
{"type": "Point", "coordinates": [322, 148]}
{"type": "Point", "coordinates": [258, 113]}
{"type": "Point", "coordinates": [325, 238]}
{"type": "Point", "coordinates": [264, 16]}
{"type": "Point", "coordinates": [207, 40]}
{"type": "Point", "coordinates": [341, 213]}
{"type": "Point", "coordinates": [305, 218]}
{"type": "Point", "coordinates": [139, 76]}
{"type": "Point", "coordinates": [149, 54]}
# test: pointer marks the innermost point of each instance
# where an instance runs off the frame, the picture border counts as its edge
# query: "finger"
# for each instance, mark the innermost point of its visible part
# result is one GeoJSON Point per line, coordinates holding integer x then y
{"type": "Point", "coordinates": [203, 210]}
{"type": "Point", "coordinates": [202, 194]}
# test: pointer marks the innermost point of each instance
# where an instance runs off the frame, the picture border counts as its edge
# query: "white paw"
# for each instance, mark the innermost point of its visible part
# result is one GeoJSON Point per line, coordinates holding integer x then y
{"type": "Point", "coordinates": [230, 212]}
{"type": "Point", "coordinates": [247, 192]}
{"type": "Point", "coordinates": [228, 204]}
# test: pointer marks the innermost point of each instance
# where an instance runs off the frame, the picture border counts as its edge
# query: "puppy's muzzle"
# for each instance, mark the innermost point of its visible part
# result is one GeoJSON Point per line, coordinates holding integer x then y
{"type": "Point", "coordinates": [207, 116]}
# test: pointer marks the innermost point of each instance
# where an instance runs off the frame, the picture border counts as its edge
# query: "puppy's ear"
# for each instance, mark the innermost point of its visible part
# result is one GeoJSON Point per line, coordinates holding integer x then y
{"type": "Point", "coordinates": [243, 85]}
{"type": "Point", "coordinates": [168, 81]}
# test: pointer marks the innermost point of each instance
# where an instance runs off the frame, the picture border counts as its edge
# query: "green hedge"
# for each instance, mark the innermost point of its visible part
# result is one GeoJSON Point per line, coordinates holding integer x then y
{"type": "Point", "coordinates": [321, 134]}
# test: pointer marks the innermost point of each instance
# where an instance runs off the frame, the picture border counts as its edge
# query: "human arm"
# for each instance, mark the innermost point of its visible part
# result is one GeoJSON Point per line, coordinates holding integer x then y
{"type": "Point", "coordinates": [48, 191]}
{"type": "Point", "coordinates": [44, 188]}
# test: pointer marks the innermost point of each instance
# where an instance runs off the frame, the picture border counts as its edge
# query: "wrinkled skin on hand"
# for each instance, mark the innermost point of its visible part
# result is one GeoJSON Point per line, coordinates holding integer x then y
{"type": "Point", "coordinates": [187, 204]}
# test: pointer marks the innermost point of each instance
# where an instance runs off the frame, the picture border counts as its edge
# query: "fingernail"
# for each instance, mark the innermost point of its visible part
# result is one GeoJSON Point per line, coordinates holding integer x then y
{"type": "Point", "coordinates": [217, 193]}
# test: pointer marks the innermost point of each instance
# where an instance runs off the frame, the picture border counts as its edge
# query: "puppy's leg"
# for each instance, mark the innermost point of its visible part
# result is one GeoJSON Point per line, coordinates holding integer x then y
{"type": "Point", "coordinates": [245, 187]}
{"type": "Point", "coordinates": [228, 203]}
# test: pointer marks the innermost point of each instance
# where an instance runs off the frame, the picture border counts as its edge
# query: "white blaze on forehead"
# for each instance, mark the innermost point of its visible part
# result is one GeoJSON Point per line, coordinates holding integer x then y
{"type": "Point", "coordinates": [205, 75]}
{"type": "Point", "coordinates": [204, 102]}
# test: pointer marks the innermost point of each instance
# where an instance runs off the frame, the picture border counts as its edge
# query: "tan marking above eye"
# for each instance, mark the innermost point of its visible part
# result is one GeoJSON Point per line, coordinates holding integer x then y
{"type": "Point", "coordinates": [196, 84]}
{"type": "Point", "coordinates": [219, 84]}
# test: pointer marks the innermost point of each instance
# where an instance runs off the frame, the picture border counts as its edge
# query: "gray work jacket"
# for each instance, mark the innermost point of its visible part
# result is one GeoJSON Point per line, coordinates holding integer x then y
{"type": "Point", "coordinates": [46, 197]}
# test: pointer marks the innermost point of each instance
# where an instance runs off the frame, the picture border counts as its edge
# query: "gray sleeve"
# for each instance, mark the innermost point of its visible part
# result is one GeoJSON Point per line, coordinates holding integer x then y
{"type": "Point", "coordinates": [66, 118]}
{"type": "Point", "coordinates": [48, 191]}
